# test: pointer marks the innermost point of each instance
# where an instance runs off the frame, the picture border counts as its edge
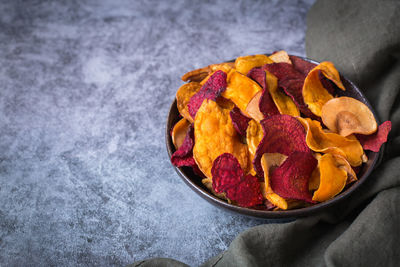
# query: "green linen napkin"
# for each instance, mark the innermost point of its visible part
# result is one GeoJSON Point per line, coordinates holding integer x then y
{"type": "Point", "coordinates": [362, 38]}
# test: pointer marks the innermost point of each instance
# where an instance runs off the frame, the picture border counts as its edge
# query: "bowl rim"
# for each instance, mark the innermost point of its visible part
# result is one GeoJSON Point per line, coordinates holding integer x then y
{"type": "Point", "coordinates": [268, 214]}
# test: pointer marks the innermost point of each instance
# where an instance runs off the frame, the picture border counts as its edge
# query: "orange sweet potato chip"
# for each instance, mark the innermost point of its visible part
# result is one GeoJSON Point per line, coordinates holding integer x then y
{"type": "Point", "coordinates": [332, 178]}
{"type": "Point", "coordinates": [183, 95]}
{"type": "Point", "coordinates": [179, 132]}
{"type": "Point", "coordinates": [320, 141]}
{"type": "Point", "coordinates": [341, 163]}
{"type": "Point", "coordinates": [314, 93]}
{"type": "Point", "coordinates": [214, 135]}
{"type": "Point", "coordinates": [246, 63]}
{"type": "Point", "coordinates": [240, 89]}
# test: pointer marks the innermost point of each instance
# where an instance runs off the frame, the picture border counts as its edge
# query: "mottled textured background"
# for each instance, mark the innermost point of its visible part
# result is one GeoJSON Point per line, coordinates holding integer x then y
{"type": "Point", "coordinates": [85, 88]}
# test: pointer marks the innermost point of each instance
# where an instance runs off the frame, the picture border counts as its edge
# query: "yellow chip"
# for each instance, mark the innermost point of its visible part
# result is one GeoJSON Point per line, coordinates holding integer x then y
{"type": "Point", "coordinates": [183, 95]}
{"type": "Point", "coordinates": [214, 135]}
{"type": "Point", "coordinates": [246, 63]}
{"type": "Point", "coordinates": [314, 93]}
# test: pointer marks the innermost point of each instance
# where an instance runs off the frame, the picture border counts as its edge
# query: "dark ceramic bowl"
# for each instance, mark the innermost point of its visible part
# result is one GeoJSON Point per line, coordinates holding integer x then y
{"type": "Point", "coordinates": [194, 181]}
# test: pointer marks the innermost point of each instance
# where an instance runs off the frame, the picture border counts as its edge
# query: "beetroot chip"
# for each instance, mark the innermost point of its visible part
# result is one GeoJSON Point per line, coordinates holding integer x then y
{"type": "Point", "coordinates": [291, 81]}
{"type": "Point", "coordinates": [184, 155]}
{"type": "Point", "coordinates": [284, 71]}
{"type": "Point", "coordinates": [305, 67]}
{"type": "Point", "coordinates": [240, 122]}
{"type": "Point", "coordinates": [247, 193]}
{"type": "Point", "coordinates": [229, 177]}
{"type": "Point", "coordinates": [258, 75]}
{"type": "Point", "coordinates": [226, 172]}
{"type": "Point", "coordinates": [301, 65]}
{"type": "Point", "coordinates": [183, 161]}
{"type": "Point", "coordinates": [214, 86]}
{"type": "Point", "coordinates": [290, 180]}
{"type": "Point", "coordinates": [266, 105]}
{"type": "Point", "coordinates": [293, 88]}
{"type": "Point", "coordinates": [282, 134]}
{"type": "Point", "coordinates": [374, 141]}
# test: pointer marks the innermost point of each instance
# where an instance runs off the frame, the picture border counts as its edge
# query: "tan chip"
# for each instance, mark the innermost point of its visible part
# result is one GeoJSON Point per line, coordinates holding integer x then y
{"type": "Point", "coordinates": [280, 56]}
{"type": "Point", "coordinates": [346, 115]}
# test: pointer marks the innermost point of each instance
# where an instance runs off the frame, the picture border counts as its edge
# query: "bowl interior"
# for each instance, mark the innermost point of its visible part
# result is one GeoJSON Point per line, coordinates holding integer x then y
{"type": "Point", "coordinates": [194, 181]}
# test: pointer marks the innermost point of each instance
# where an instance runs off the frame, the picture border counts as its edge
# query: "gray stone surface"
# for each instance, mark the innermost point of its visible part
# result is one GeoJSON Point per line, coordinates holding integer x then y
{"type": "Point", "coordinates": [85, 88]}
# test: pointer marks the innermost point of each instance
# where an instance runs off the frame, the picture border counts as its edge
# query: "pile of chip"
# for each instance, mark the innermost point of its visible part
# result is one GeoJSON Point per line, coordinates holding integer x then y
{"type": "Point", "coordinates": [272, 132]}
